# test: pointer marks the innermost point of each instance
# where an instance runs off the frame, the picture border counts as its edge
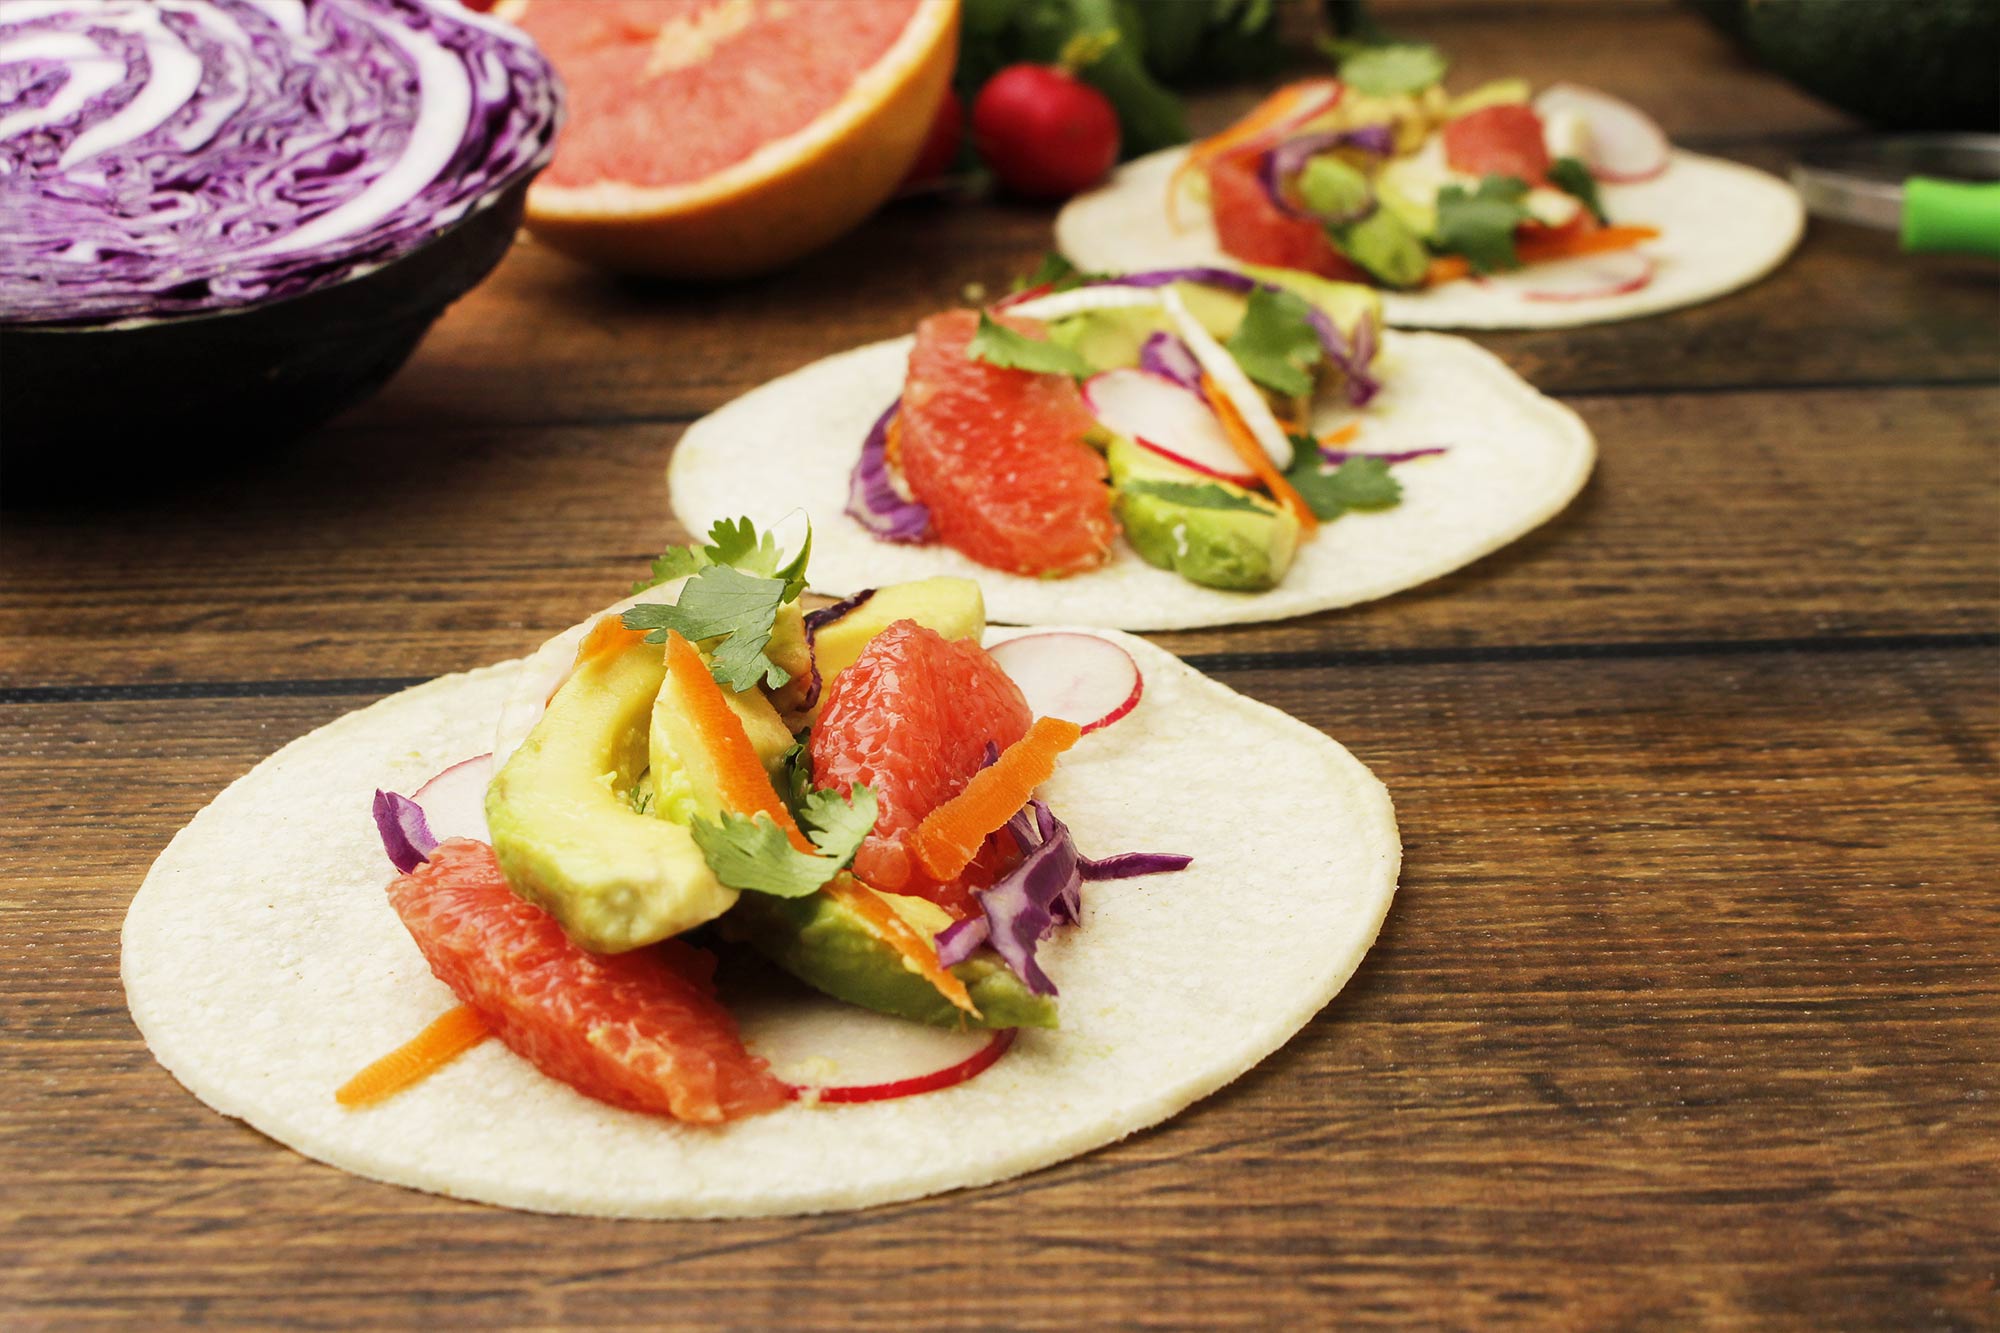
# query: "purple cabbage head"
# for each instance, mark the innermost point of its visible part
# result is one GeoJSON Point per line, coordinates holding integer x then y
{"type": "Point", "coordinates": [160, 160]}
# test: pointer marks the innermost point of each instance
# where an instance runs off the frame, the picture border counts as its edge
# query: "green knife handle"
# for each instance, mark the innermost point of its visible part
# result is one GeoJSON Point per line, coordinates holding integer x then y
{"type": "Point", "coordinates": [1951, 216]}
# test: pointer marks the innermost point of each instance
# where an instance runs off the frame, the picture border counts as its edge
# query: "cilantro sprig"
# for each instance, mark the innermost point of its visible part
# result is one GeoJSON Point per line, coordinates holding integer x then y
{"type": "Point", "coordinates": [1359, 483]}
{"type": "Point", "coordinates": [998, 345]}
{"type": "Point", "coordinates": [734, 589]}
{"type": "Point", "coordinates": [1193, 495]}
{"type": "Point", "coordinates": [1386, 68]}
{"type": "Point", "coordinates": [1572, 177]}
{"type": "Point", "coordinates": [1276, 344]}
{"type": "Point", "coordinates": [750, 852]}
{"type": "Point", "coordinates": [738, 543]}
{"type": "Point", "coordinates": [1479, 224]}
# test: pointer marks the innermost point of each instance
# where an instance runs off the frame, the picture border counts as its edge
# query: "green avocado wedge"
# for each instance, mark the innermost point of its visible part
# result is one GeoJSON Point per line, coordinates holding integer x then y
{"type": "Point", "coordinates": [563, 823]}
{"type": "Point", "coordinates": [826, 945]}
{"type": "Point", "coordinates": [1206, 530]}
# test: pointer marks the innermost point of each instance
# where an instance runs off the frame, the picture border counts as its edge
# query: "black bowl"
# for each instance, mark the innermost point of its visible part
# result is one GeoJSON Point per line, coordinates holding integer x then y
{"type": "Point", "coordinates": [130, 402]}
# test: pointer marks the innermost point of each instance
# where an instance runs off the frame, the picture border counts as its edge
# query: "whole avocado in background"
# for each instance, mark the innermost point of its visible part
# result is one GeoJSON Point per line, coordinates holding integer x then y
{"type": "Point", "coordinates": [1898, 64]}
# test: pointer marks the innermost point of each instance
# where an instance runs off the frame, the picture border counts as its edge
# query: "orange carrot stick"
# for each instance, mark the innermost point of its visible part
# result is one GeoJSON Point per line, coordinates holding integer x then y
{"type": "Point", "coordinates": [607, 636]}
{"type": "Point", "coordinates": [918, 953]}
{"type": "Point", "coordinates": [448, 1037]}
{"type": "Point", "coordinates": [951, 835]}
{"type": "Point", "coordinates": [1254, 457]}
{"type": "Point", "coordinates": [1543, 249]}
{"type": "Point", "coordinates": [1335, 438]}
{"type": "Point", "coordinates": [741, 782]}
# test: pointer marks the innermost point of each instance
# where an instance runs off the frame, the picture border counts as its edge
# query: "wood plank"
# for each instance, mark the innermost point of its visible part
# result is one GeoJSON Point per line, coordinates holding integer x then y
{"type": "Point", "coordinates": [400, 553]}
{"type": "Point", "coordinates": [1680, 1017]}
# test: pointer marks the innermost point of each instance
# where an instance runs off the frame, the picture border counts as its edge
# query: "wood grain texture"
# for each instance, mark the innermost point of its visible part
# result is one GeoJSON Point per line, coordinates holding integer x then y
{"type": "Point", "coordinates": [1684, 1016]}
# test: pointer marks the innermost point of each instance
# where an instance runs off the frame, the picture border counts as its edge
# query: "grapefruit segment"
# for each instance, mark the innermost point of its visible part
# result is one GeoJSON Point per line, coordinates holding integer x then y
{"type": "Point", "coordinates": [912, 718]}
{"type": "Point", "coordinates": [719, 138]}
{"type": "Point", "coordinates": [642, 1030]}
{"type": "Point", "coordinates": [1000, 455]}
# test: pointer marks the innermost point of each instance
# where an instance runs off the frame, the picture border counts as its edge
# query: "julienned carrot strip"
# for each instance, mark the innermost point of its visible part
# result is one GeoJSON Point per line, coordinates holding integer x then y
{"type": "Point", "coordinates": [1269, 116]}
{"type": "Point", "coordinates": [1543, 250]}
{"type": "Point", "coordinates": [918, 953]}
{"type": "Point", "coordinates": [1335, 438]}
{"type": "Point", "coordinates": [741, 782]}
{"type": "Point", "coordinates": [745, 788]}
{"type": "Point", "coordinates": [448, 1037]}
{"type": "Point", "coordinates": [951, 835]}
{"type": "Point", "coordinates": [1254, 457]}
{"type": "Point", "coordinates": [607, 636]}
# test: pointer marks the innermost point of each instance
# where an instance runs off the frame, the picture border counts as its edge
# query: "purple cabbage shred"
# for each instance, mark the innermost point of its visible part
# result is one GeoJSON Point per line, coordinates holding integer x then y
{"type": "Point", "coordinates": [1041, 893]}
{"type": "Point", "coordinates": [1165, 355]}
{"type": "Point", "coordinates": [1335, 457]}
{"type": "Point", "coordinates": [872, 497]}
{"type": "Point", "coordinates": [815, 621]}
{"type": "Point", "coordinates": [1284, 162]}
{"type": "Point", "coordinates": [406, 835]}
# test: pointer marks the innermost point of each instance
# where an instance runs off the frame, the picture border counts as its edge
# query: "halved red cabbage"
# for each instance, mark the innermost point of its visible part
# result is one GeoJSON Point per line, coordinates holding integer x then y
{"type": "Point", "coordinates": [1043, 892]}
{"type": "Point", "coordinates": [815, 621]}
{"type": "Point", "coordinates": [167, 157]}
{"type": "Point", "coordinates": [1353, 360]}
{"type": "Point", "coordinates": [872, 497]}
{"type": "Point", "coordinates": [406, 834]}
{"type": "Point", "coordinates": [1289, 158]}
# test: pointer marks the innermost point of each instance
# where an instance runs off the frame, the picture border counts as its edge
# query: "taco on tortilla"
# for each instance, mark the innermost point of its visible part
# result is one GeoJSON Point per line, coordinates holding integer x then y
{"type": "Point", "coordinates": [718, 907]}
{"type": "Point", "coordinates": [1164, 449]}
{"type": "Point", "coordinates": [1499, 208]}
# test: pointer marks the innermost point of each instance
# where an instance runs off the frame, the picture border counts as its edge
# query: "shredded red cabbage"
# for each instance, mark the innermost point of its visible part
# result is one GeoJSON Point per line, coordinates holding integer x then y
{"type": "Point", "coordinates": [872, 497]}
{"type": "Point", "coordinates": [815, 621]}
{"type": "Point", "coordinates": [158, 159]}
{"type": "Point", "coordinates": [1338, 456]}
{"type": "Point", "coordinates": [1168, 357]}
{"type": "Point", "coordinates": [1284, 162]}
{"type": "Point", "coordinates": [1352, 361]}
{"type": "Point", "coordinates": [406, 835]}
{"type": "Point", "coordinates": [1043, 892]}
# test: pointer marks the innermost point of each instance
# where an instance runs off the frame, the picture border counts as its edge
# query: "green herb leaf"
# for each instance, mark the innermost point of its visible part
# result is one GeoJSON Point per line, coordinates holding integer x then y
{"type": "Point", "coordinates": [752, 853]}
{"type": "Point", "coordinates": [673, 563]}
{"type": "Point", "coordinates": [1359, 483]}
{"type": "Point", "coordinates": [998, 345]}
{"type": "Point", "coordinates": [734, 541]}
{"type": "Point", "coordinates": [1055, 273]}
{"type": "Point", "coordinates": [1195, 495]}
{"type": "Point", "coordinates": [722, 602]}
{"type": "Point", "coordinates": [1275, 344]}
{"type": "Point", "coordinates": [1573, 178]}
{"type": "Point", "coordinates": [1480, 225]}
{"type": "Point", "coordinates": [1388, 69]}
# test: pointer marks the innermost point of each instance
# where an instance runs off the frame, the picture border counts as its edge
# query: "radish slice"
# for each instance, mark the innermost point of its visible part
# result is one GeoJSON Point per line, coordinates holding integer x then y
{"type": "Point", "coordinates": [840, 1053]}
{"type": "Point", "coordinates": [1078, 300]}
{"type": "Point", "coordinates": [1585, 278]}
{"type": "Point", "coordinates": [1079, 678]}
{"type": "Point", "coordinates": [1625, 145]}
{"type": "Point", "coordinates": [454, 802]}
{"type": "Point", "coordinates": [1220, 366]}
{"type": "Point", "coordinates": [1165, 417]}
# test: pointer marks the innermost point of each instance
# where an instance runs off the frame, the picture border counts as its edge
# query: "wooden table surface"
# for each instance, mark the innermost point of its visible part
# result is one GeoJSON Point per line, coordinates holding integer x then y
{"type": "Point", "coordinates": [1686, 1012]}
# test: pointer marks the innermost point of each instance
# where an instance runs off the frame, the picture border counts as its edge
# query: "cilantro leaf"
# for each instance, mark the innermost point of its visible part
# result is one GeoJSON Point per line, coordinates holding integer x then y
{"type": "Point", "coordinates": [998, 345]}
{"type": "Point", "coordinates": [796, 785]}
{"type": "Point", "coordinates": [1195, 495]}
{"type": "Point", "coordinates": [673, 563]}
{"type": "Point", "coordinates": [1276, 344]}
{"type": "Point", "coordinates": [753, 853]}
{"type": "Point", "coordinates": [1480, 225]}
{"type": "Point", "coordinates": [721, 601]}
{"type": "Point", "coordinates": [1054, 272]}
{"type": "Point", "coordinates": [1573, 178]}
{"type": "Point", "coordinates": [1359, 483]}
{"type": "Point", "coordinates": [1387, 69]}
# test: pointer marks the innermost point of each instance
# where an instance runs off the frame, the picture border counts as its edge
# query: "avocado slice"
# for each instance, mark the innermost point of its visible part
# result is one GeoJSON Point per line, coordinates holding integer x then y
{"type": "Point", "coordinates": [1245, 546]}
{"type": "Point", "coordinates": [682, 790]}
{"type": "Point", "coordinates": [824, 944]}
{"type": "Point", "coordinates": [955, 608]}
{"type": "Point", "coordinates": [563, 825]}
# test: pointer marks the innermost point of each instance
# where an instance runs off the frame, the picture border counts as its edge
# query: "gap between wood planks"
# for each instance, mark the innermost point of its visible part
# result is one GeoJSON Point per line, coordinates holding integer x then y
{"type": "Point", "coordinates": [1221, 663]}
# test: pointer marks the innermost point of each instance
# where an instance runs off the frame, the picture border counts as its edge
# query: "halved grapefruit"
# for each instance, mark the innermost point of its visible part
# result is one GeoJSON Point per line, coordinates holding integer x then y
{"type": "Point", "coordinates": [720, 138]}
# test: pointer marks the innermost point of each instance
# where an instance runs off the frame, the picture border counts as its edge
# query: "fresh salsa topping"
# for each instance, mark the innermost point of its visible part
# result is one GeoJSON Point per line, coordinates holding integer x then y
{"type": "Point", "coordinates": [833, 792]}
{"type": "Point", "coordinates": [1383, 178]}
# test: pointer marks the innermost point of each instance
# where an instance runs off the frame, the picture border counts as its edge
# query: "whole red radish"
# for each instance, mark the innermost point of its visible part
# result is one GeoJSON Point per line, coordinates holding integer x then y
{"type": "Point", "coordinates": [940, 145]}
{"type": "Point", "coordinates": [1045, 133]}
